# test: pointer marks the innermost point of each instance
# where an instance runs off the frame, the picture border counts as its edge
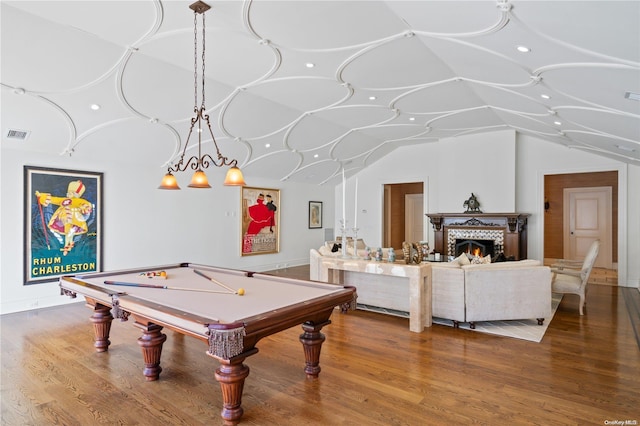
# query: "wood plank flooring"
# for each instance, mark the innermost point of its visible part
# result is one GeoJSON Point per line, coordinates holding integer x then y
{"type": "Point", "coordinates": [586, 371]}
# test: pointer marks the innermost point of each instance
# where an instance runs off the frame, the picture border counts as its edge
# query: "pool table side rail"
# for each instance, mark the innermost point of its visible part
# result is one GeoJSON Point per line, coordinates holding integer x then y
{"type": "Point", "coordinates": [227, 343]}
{"type": "Point", "coordinates": [142, 310]}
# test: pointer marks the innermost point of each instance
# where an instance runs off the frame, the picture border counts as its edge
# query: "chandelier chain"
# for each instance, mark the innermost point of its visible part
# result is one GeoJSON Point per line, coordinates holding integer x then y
{"type": "Point", "coordinates": [195, 59]}
{"type": "Point", "coordinates": [203, 39]}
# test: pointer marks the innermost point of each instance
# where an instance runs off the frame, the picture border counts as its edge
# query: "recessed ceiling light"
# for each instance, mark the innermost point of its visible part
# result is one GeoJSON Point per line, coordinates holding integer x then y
{"type": "Point", "coordinates": [310, 65]}
{"type": "Point", "coordinates": [267, 145]}
{"type": "Point", "coordinates": [372, 98]}
{"type": "Point", "coordinates": [412, 118]}
{"type": "Point", "coordinates": [95, 107]}
{"type": "Point", "coordinates": [632, 96]}
{"type": "Point", "coordinates": [625, 148]}
{"type": "Point", "coordinates": [523, 49]}
{"type": "Point", "coordinates": [557, 123]}
{"type": "Point", "coordinates": [543, 96]}
{"type": "Point", "coordinates": [315, 155]}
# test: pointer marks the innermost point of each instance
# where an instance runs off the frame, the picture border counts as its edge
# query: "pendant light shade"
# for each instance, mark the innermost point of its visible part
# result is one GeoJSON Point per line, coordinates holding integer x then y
{"type": "Point", "coordinates": [169, 181]}
{"type": "Point", "coordinates": [234, 177]}
{"type": "Point", "coordinates": [199, 180]}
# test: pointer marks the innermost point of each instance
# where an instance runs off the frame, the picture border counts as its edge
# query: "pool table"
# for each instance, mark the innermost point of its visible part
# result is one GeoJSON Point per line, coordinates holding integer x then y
{"type": "Point", "coordinates": [229, 310]}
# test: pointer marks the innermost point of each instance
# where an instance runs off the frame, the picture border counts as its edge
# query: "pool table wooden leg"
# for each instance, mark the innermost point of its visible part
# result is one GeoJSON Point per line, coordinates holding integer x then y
{"type": "Point", "coordinates": [312, 341]}
{"type": "Point", "coordinates": [231, 375]}
{"type": "Point", "coordinates": [101, 320]}
{"type": "Point", "coordinates": [151, 343]}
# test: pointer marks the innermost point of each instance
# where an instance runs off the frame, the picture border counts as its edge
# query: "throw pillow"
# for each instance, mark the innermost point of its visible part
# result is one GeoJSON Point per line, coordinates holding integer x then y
{"type": "Point", "coordinates": [477, 260]}
{"type": "Point", "coordinates": [462, 260]}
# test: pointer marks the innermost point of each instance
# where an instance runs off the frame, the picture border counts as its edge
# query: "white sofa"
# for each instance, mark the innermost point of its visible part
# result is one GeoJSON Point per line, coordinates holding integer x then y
{"type": "Point", "coordinates": [491, 292]}
{"type": "Point", "coordinates": [484, 292]}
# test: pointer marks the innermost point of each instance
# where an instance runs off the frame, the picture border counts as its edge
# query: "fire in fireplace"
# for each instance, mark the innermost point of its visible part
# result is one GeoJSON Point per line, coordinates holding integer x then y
{"type": "Point", "coordinates": [479, 248]}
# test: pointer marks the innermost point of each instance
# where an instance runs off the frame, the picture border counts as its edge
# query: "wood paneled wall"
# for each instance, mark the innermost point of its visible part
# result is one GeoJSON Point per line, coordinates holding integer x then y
{"type": "Point", "coordinates": [553, 217]}
{"type": "Point", "coordinates": [396, 199]}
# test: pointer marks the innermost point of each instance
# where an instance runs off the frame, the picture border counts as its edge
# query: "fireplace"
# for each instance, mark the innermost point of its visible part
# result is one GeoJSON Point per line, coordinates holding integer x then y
{"type": "Point", "coordinates": [498, 233]}
{"type": "Point", "coordinates": [479, 248]}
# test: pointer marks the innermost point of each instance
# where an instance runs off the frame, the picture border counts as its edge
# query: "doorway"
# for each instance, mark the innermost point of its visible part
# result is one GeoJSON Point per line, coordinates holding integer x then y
{"type": "Point", "coordinates": [587, 217]}
{"type": "Point", "coordinates": [400, 198]}
{"type": "Point", "coordinates": [554, 212]}
{"type": "Point", "coordinates": [413, 217]}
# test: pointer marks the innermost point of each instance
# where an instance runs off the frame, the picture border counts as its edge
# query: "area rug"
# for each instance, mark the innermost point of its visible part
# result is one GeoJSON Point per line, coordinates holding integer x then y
{"type": "Point", "coordinates": [518, 329]}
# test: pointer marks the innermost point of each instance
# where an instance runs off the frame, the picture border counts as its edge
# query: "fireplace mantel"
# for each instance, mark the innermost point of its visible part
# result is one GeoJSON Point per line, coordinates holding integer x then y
{"type": "Point", "coordinates": [508, 229]}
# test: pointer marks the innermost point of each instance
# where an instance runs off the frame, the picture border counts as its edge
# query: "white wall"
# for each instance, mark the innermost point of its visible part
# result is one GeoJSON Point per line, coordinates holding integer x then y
{"type": "Point", "coordinates": [144, 226]}
{"type": "Point", "coordinates": [481, 164]}
{"type": "Point", "coordinates": [505, 187]}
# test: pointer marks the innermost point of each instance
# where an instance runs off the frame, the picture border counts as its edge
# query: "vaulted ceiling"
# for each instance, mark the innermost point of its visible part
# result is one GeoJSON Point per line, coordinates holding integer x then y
{"type": "Point", "coordinates": [384, 74]}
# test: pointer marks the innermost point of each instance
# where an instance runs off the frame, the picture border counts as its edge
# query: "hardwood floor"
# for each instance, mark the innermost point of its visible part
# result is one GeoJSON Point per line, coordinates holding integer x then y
{"type": "Point", "coordinates": [586, 370]}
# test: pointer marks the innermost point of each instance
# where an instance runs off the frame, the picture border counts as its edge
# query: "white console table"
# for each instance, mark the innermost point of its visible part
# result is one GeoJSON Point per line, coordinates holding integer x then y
{"type": "Point", "coordinates": [396, 286]}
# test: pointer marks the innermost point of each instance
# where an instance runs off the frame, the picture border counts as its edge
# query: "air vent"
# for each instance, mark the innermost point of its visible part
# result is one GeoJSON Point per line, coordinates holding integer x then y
{"type": "Point", "coordinates": [17, 134]}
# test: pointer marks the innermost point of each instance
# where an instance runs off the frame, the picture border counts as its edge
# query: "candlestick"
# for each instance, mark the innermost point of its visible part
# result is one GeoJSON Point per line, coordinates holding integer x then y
{"type": "Point", "coordinates": [344, 197]}
{"type": "Point", "coordinates": [343, 231]}
{"type": "Point", "coordinates": [355, 220]}
{"type": "Point", "coordinates": [355, 243]}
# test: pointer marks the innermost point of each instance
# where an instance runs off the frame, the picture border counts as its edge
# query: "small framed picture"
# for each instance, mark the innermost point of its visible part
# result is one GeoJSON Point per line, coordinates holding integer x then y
{"type": "Point", "coordinates": [315, 214]}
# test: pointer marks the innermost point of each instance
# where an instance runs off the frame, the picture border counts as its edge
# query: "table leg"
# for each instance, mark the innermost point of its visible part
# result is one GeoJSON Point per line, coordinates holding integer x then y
{"type": "Point", "coordinates": [101, 320]}
{"type": "Point", "coordinates": [231, 375]}
{"type": "Point", "coordinates": [312, 341]}
{"type": "Point", "coordinates": [151, 343]}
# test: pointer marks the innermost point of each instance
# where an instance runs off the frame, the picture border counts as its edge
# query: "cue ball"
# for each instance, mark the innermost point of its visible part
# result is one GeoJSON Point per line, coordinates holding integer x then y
{"type": "Point", "coordinates": [240, 291]}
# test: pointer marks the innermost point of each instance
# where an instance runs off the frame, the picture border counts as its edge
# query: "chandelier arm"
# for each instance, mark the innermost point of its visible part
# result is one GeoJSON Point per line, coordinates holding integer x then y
{"type": "Point", "coordinates": [177, 167]}
{"type": "Point", "coordinates": [224, 161]}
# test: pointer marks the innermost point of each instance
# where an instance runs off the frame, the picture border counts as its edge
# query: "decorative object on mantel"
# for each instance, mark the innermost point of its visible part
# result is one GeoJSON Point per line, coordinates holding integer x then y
{"type": "Point", "coordinates": [412, 253]}
{"type": "Point", "coordinates": [201, 161]}
{"type": "Point", "coordinates": [379, 254]}
{"type": "Point", "coordinates": [472, 204]}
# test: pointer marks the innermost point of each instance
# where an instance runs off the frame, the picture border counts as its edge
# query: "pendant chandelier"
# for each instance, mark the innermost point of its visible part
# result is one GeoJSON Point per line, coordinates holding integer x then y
{"type": "Point", "coordinates": [200, 122]}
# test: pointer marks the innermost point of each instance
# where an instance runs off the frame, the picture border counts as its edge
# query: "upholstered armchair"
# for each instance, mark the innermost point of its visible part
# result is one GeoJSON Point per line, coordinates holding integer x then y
{"type": "Point", "coordinates": [570, 276]}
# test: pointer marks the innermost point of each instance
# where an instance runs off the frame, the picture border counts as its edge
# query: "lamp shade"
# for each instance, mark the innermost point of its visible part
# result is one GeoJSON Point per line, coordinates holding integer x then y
{"type": "Point", "coordinates": [169, 181]}
{"type": "Point", "coordinates": [234, 177]}
{"type": "Point", "coordinates": [199, 180]}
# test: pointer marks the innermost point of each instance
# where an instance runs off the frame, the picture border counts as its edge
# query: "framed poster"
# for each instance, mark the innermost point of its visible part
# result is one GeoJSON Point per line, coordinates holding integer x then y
{"type": "Point", "coordinates": [260, 218]}
{"type": "Point", "coordinates": [63, 223]}
{"type": "Point", "coordinates": [315, 214]}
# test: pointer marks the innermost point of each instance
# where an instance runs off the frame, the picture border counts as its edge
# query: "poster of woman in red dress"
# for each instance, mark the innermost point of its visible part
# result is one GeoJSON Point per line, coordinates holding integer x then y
{"type": "Point", "coordinates": [260, 220]}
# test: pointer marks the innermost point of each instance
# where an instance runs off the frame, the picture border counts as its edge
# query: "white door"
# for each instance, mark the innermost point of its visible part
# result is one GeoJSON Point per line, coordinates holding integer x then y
{"type": "Point", "coordinates": [413, 217]}
{"type": "Point", "coordinates": [587, 217]}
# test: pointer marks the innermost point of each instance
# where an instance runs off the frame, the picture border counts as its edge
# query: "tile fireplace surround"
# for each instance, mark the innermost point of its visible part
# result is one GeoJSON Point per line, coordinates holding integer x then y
{"type": "Point", "coordinates": [508, 231]}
